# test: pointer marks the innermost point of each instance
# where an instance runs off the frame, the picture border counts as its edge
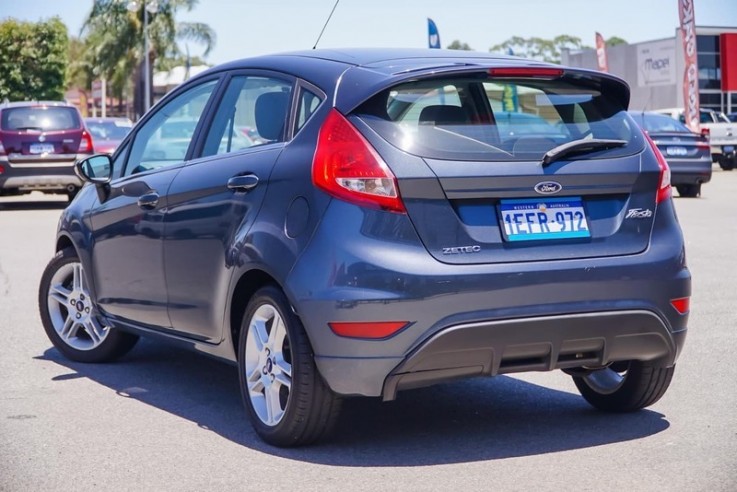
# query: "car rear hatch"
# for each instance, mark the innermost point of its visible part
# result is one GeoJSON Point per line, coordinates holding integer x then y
{"type": "Point", "coordinates": [527, 164]}
{"type": "Point", "coordinates": [40, 135]}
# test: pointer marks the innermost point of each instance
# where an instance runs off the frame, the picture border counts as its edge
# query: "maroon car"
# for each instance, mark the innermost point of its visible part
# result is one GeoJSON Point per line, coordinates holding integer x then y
{"type": "Point", "coordinates": [39, 143]}
{"type": "Point", "coordinates": [107, 133]}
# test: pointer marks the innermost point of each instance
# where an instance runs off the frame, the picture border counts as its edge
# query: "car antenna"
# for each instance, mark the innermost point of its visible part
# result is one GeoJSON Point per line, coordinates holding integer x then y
{"type": "Point", "coordinates": [326, 24]}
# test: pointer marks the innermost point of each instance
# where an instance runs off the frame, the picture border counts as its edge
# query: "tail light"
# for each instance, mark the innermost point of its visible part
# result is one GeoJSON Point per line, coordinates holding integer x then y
{"type": "Point", "coordinates": [347, 167]}
{"type": "Point", "coordinates": [369, 330]}
{"type": "Point", "coordinates": [706, 132]}
{"type": "Point", "coordinates": [664, 188]}
{"type": "Point", "coordinates": [85, 144]}
{"type": "Point", "coordinates": [2, 169]}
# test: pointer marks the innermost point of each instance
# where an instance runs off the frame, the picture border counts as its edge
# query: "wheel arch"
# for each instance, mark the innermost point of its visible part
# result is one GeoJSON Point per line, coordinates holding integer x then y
{"type": "Point", "coordinates": [248, 284]}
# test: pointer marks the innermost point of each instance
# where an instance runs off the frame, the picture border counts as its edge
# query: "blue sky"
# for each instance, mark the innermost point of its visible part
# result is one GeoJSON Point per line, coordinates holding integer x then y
{"type": "Point", "coordinates": [253, 27]}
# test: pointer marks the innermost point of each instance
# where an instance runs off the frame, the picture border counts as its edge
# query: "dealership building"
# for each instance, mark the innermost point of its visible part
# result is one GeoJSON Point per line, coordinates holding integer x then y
{"type": "Point", "coordinates": [654, 69]}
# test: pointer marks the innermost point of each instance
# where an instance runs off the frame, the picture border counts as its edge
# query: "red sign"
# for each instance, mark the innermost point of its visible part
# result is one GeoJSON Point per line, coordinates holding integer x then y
{"type": "Point", "coordinates": [601, 53]}
{"type": "Point", "coordinates": [690, 71]}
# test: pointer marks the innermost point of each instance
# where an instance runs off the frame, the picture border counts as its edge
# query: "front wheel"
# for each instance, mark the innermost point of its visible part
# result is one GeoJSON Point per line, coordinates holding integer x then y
{"type": "Point", "coordinates": [69, 314]}
{"type": "Point", "coordinates": [624, 386]}
{"type": "Point", "coordinates": [286, 399]}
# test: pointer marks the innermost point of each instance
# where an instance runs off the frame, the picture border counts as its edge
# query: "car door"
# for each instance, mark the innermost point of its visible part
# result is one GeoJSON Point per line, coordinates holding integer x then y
{"type": "Point", "coordinates": [214, 199]}
{"type": "Point", "coordinates": [127, 226]}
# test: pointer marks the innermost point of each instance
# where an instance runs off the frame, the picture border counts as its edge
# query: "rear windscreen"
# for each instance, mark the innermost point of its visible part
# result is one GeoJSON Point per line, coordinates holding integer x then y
{"type": "Point", "coordinates": [479, 118]}
{"type": "Point", "coordinates": [659, 123]}
{"type": "Point", "coordinates": [40, 118]}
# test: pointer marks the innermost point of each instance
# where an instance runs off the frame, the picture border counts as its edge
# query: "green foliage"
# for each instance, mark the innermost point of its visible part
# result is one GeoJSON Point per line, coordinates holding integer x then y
{"type": "Point", "coordinates": [615, 40]}
{"type": "Point", "coordinates": [540, 49]}
{"type": "Point", "coordinates": [33, 60]}
{"type": "Point", "coordinates": [457, 45]}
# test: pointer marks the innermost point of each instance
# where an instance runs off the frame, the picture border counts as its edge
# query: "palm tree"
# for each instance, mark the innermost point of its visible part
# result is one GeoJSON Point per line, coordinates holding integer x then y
{"type": "Point", "coordinates": [115, 37]}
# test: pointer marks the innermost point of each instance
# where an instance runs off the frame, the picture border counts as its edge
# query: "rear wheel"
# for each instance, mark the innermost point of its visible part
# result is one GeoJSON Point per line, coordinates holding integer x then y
{"type": "Point", "coordinates": [727, 163]}
{"type": "Point", "coordinates": [624, 386]}
{"type": "Point", "coordinates": [286, 399]}
{"type": "Point", "coordinates": [70, 317]}
{"type": "Point", "coordinates": [689, 190]}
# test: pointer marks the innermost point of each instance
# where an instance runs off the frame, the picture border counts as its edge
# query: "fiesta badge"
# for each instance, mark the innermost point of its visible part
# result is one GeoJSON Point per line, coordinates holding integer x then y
{"type": "Point", "coordinates": [548, 187]}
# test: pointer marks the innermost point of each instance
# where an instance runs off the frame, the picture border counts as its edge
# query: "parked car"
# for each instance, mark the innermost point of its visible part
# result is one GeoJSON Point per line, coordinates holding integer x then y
{"type": "Point", "coordinates": [39, 143]}
{"type": "Point", "coordinates": [722, 134]}
{"type": "Point", "coordinates": [107, 133]}
{"type": "Point", "coordinates": [384, 236]}
{"type": "Point", "coordinates": [686, 152]}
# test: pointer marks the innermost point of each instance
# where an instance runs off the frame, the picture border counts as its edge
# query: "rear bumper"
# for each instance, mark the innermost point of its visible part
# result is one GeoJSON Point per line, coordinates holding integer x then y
{"type": "Point", "coordinates": [690, 171]}
{"type": "Point", "coordinates": [468, 320]}
{"type": "Point", "coordinates": [536, 344]}
{"type": "Point", "coordinates": [52, 175]}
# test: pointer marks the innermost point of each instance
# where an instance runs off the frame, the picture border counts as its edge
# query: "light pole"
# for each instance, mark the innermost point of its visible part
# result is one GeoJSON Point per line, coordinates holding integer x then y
{"type": "Point", "coordinates": [151, 6]}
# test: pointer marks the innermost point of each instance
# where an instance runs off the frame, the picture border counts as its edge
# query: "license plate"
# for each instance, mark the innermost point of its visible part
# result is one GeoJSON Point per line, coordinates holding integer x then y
{"type": "Point", "coordinates": [676, 151]}
{"type": "Point", "coordinates": [548, 218]}
{"type": "Point", "coordinates": [42, 148]}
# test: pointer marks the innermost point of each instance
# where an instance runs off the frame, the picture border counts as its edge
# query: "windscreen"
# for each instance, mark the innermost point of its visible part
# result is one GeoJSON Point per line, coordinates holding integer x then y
{"type": "Point", "coordinates": [480, 118]}
{"type": "Point", "coordinates": [40, 118]}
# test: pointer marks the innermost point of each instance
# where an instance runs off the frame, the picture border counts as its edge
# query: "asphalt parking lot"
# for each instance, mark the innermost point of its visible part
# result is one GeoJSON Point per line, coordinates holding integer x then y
{"type": "Point", "coordinates": [165, 419]}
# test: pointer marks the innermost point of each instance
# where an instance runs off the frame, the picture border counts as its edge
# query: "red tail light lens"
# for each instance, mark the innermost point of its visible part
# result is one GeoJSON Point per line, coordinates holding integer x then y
{"type": "Point", "coordinates": [85, 144]}
{"type": "Point", "coordinates": [347, 167]}
{"type": "Point", "coordinates": [706, 132]}
{"type": "Point", "coordinates": [534, 72]}
{"type": "Point", "coordinates": [681, 305]}
{"type": "Point", "coordinates": [2, 169]}
{"type": "Point", "coordinates": [664, 188]}
{"type": "Point", "coordinates": [369, 330]}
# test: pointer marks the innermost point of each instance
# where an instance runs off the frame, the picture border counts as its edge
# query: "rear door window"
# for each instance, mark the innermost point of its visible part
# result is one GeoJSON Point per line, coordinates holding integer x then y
{"type": "Point", "coordinates": [479, 118]}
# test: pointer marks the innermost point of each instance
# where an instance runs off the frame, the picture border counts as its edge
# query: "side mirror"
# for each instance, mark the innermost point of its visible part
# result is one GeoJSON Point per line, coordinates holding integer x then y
{"type": "Point", "coordinates": [95, 169]}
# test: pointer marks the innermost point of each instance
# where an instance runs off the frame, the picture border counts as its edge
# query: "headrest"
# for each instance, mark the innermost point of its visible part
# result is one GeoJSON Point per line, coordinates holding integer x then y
{"type": "Point", "coordinates": [271, 112]}
{"type": "Point", "coordinates": [443, 115]}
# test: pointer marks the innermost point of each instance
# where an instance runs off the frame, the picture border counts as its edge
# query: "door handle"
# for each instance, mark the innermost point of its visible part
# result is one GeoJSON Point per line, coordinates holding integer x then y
{"type": "Point", "coordinates": [149, 200]}
{"type": "Point", "coordinates": [243, 183]}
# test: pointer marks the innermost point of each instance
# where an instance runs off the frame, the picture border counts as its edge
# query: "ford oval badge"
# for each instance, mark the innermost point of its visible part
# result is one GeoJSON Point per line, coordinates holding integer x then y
{"type": "Point", "coordinates": [548, 187]}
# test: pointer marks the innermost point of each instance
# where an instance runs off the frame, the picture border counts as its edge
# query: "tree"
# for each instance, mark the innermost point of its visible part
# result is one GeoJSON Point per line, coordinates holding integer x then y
{"type": "Point", "coordinates": [33, 59]}
{"type": "Point", "coordinates": [457, 45]}
{"type": "Point", "coordinates": [540, 49]}
{"type": "Point", "coordinates": [615, 40]}
{"type": "Point", "coordinates": [117, 38]}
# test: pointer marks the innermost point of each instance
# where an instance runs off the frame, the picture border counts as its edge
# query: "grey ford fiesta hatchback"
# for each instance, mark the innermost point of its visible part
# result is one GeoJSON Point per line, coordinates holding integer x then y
{"type": "Point", "coordinates": [401, 218]}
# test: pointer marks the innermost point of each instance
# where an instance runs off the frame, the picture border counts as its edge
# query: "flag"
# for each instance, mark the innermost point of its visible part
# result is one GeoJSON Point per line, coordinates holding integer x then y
{"type": "Point", "coordinates": [433, 37]}
{"type": "Point", "coordinates": [510, 101]}
{"type": "Point", "coordinates": [690, 70]}
{"type": "Point", "coordinates": [601, 58]}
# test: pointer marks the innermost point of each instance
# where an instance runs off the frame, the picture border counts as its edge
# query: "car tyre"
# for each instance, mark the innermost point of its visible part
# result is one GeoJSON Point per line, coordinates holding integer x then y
{"type": "Point", "coordinates": [727, 163]}
{"type": "Point", "coordinates": [624, 387]}
{"type": "Point", "coordinates": [689, 191]}
{"type": "Point", "coordinates": [70, 316]}
{"type": "Point", "coordinates": [285, 397]}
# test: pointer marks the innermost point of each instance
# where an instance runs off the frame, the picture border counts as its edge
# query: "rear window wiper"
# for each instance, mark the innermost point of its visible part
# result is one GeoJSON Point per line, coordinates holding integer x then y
{"type": "Point", "coordinates": [580, 146]}
{"type": "Point", "coordinates": [27, 128]}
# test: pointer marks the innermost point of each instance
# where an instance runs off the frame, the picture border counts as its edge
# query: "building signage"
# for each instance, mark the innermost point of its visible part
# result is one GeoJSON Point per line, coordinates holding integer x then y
{"type": "Point", "coordinates": [656, 63]}
{"type": "Point", "coordinates": [690, 71]}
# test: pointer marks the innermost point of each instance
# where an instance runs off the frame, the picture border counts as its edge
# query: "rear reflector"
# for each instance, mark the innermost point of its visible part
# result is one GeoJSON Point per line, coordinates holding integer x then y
{"type": "Point", "coordinates": [534, 72]}
{"type": "Point", "coordinates": [347, 167]}
{"type": "Point", "coordinates": [664, 188]}
{"type": "Point", "coordinates": [370, 330]}
{"type": "Point", "coordinates": [681, 305]}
